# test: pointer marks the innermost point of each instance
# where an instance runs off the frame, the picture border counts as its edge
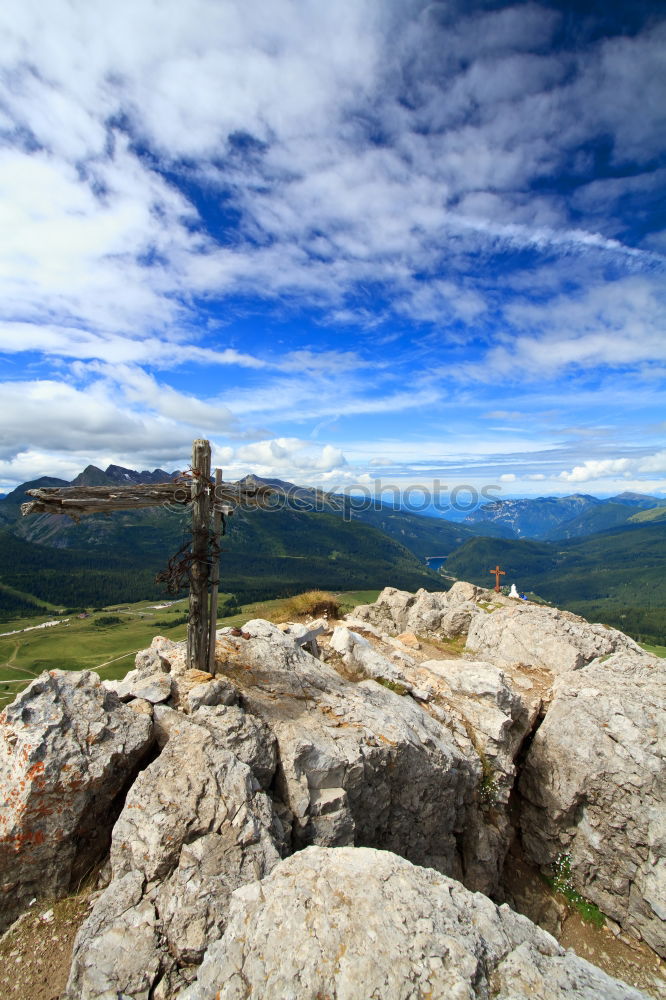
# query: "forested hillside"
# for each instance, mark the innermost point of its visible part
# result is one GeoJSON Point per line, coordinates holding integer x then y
{"type": "Point", "coordinates": [615, 576]}
{"type": "Point", "coordinates": [104, 560]}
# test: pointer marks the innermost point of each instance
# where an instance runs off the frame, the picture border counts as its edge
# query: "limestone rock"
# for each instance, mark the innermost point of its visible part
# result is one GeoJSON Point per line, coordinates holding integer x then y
{"type": "Point", "coordinates": [358, 763]}
{"type": "Point", "coordinates": [67, 749]}
{"type": "Point", "coordinates": [364, 923]}
{"type": "Point", "coordinates": [194, 827]}
{"type": "Point", "coordinates": [461, 592]}
{"type": "Point", "coordinates": [141, 705]}
{"type": "Point", "coordinates": [192, 688]}
{"type": "Point", "coordinates": [543, 637]}
{"type": "Point", "coordinates": [494, 713]}
{"type": "Point", "coordinates": [359, 655]}
{"type": "Point", "coordinates": [245, 735]}
{"type": "Point", "coordinates": [153, 660]}
{"type": "Point", "coordinates": [408, 639]}
{"type": "Point", "coordinates": [444, 614]}
{"type": "Point", "coordinates": [594, 789]}
{"type": "Point", "coordinates": [496, 718]}
{"type": "Point", "coordinates": [119, 942]}
{"type": "Point", "coordinates": [389, 612]}
{"type": "Point", "coordinates": [172, 654]}
{"type": "Point", "coordinates": [154, 688]}
{"type": "Point", "coordinates": [215, 692]}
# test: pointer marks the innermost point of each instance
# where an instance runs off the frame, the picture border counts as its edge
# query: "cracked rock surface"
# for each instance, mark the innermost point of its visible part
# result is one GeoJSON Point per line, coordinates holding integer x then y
{"type": "Point", "coordinates": [67, 748]}
{"type": "Point", "coordinates": [594, 789]}
{"type": "Point", "coordinates": [395, 737]}
{"type": "Point", "coordinates": [195, 826]}
{"type": "Point", "coordinates": [363, 923]}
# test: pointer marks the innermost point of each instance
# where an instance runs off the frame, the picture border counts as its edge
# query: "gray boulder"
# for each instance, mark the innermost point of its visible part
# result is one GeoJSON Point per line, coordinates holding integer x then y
{"type": "Point", "coordinates": [361, 923]}
{"type": "Point", "coordinates": [543, 637]}
{"type": "Point", "coordinates": [495, 714]}
{"type": "Point", "coordinates": [154, 688]}
{"type": "Point", "coordinates": [357, 763]}
{"type": "Point", "coordinates": [195, 826]}
{"type": "Point", "coordinates": [496, 719]}
{"type": "Point", "coordinates": [594, 790]}
{"type": "Point", "coordinates": [445, 614]}
{"type": "Point", "coordinates": [389, 612]}
{"type": "Point", "coordinates": [361, 656]}
{"type": "Point", "coordinates": [68, 749]}
{"type": "Point", "coordinates": [245, 735]}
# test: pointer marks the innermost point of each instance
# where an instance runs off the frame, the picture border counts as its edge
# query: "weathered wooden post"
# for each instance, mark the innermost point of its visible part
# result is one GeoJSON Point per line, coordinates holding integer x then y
{"type": "Point", "coordinates": [197, 628]}
{"type": "Point", "coordinates": [202, 561]}
{"type": "Point", "coordinates": [215, 570]}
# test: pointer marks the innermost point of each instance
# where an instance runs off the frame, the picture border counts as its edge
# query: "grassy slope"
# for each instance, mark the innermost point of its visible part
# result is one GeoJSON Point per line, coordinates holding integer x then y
{"type": "Point", "coordinates": [79, 644]}
{"type": "Point", "coordinates": [654, 514]}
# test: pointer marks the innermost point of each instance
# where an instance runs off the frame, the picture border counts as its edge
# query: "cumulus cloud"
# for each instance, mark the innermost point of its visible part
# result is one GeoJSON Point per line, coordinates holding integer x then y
{"type": "Point", "coordinates": [608, 468]}
{"type": "Point", "coordinates": [594, 469]}
{"type": "Point", "coordinates": [393, 167]}
{"type": "Point", "coordinates": [290, 454]}
{"type": "Point", "coordinates": [471, 110]}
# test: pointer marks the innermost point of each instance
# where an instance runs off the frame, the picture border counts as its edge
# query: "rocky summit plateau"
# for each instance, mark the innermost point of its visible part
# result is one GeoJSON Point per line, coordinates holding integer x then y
{"type": "Point", "coordinates": [372, 817]}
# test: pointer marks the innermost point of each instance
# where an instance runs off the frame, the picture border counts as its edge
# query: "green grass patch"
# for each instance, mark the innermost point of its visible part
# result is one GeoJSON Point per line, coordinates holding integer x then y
{"type": "Point", "coordinates": [560, 880]}
{"type": "Point", "coordinates": [353, 598]}
{"type": "Point", "coordinates": [655, 650]}
{"type": "Point", "coordinates": [391, 685]}
{"type": "Point", "coordinates": [81, 644]}
{"type": "Point", "coordinates": [453, 647]}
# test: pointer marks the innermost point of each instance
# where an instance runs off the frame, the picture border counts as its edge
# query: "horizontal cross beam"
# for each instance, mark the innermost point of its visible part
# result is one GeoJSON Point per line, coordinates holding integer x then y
{"type": "Point", "coordinates": [77, 501]}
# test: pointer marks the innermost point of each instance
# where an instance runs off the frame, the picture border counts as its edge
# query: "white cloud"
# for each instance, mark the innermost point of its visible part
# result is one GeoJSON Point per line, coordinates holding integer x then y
{"type": "Point", "coordinates": [365, 152]}
{"type": "Point", "coordinates": [290, 454]}
{"type": "Point", "coordinates": [593, 469]}
{"type": "Point", "coordinates": [654, 463]}
{"type": "Point", "coordinates": [616, 324]}
{"type": "Point", "coordinates": [279, 113]}
{"type": "Point", "coordinates": [607, 468]}
{"type": "Point", "coordinates": [63, 418]}
{"type": "Point", "coordinates": [73, 342]}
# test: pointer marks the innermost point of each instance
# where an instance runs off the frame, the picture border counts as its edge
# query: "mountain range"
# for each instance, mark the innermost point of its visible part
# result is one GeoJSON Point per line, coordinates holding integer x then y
{"type": "Point", "coordinates": [552, 518]}
{"type": "Point", "coordinates": [604, 559]}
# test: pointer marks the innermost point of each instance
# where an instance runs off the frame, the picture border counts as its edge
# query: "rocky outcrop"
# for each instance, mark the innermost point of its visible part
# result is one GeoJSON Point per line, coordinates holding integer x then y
{"type": "Point", "coordinates": [68, 747]}
{"type": "Point", "coordinates": [543, 637]}
{"type": "Point", "coordinates": [446, 614]}
{"type": "Point", "coordinates": [357, 762]}
{"type": "Point", "coordinates": [389, 738]}
{"type": "Point", "coordinates": [594, 788]}
{"type": "Point", "coordinates": [364, 923]}
{"type": "Point", "coordinates": [195, 826]}
{"type": "Point", "coordinates": [361, 656]}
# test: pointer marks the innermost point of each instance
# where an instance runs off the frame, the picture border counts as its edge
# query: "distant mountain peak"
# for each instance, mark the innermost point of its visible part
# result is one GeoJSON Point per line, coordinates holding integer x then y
{"type": "Point", "coordinates": [553, 517]}
{"type": "Point", "coordinates": [117, 475]}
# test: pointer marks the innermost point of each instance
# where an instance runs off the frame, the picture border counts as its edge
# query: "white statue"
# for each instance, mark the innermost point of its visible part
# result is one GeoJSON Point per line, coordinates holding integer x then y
{"type": "Point", "coordinates": [513, 592]}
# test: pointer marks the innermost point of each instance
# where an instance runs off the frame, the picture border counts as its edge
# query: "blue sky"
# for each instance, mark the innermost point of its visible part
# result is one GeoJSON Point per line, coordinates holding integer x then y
{"type": "Point", "coordinates": [355, 240]}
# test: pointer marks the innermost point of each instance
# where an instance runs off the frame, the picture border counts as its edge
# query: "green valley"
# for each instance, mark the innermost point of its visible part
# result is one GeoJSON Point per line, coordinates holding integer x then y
{"type": "Point", "coordinates": [616, 576]}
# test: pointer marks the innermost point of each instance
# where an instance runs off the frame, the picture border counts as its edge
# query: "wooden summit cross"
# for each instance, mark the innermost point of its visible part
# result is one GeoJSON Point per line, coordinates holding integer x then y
{"type": "Point", "coordinates": [498, 572]}
{"type": "Point", "coordinates": [205, 497]}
